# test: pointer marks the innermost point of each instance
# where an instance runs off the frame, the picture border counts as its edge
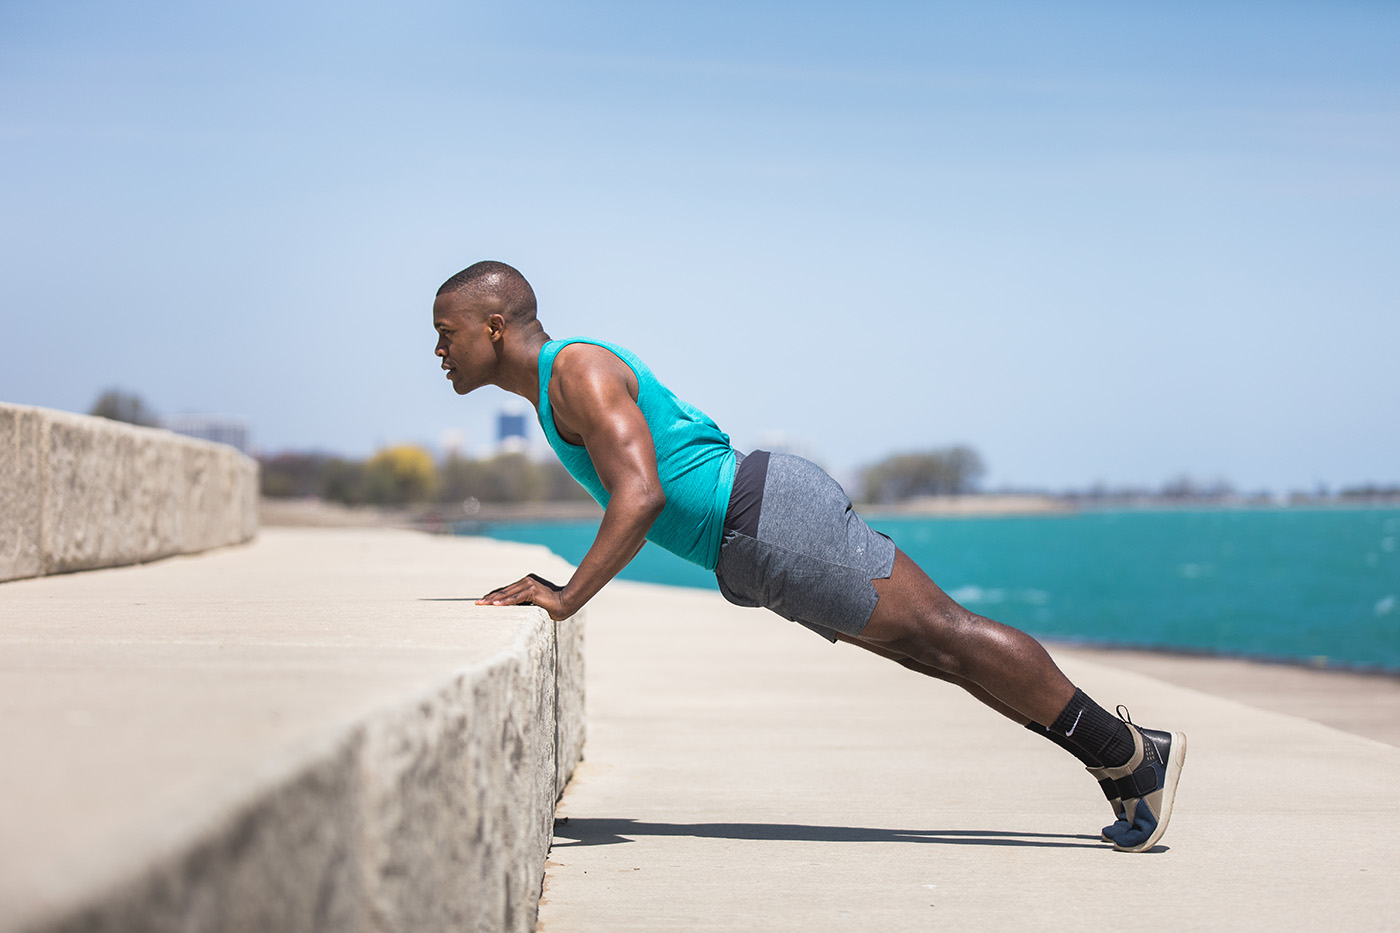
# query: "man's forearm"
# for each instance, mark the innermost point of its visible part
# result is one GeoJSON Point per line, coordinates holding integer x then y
{"type": "Point", "coordinates": [621, 535]}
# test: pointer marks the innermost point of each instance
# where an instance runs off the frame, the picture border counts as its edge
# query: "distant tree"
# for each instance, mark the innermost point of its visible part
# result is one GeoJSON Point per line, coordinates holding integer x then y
{"type": "Point", "coordinates": [344, 481]}
{"type": "Point", "coordinates": [504, 478]}
{"type": "Point", "coordinates": [560, 486]}
{"type": "Point", "coordinates": [947, 471]}
{"type": "Point", "coordinates": [1371, 491]}
{"type": "Point", "coordinates": [511, 477]}
{"type": "Point", "coordinates": [123, 406]}
{"type": "Point", "coordinates": [400, 476]}
{"type": "Point", "coordinates": [406, 475]}
{"type": "Point", "coordinates": [1185, 487]}
{"type": "Point", "coordinates": [460, 478]}
{"type": "Point", "coordinates": [293, 475]}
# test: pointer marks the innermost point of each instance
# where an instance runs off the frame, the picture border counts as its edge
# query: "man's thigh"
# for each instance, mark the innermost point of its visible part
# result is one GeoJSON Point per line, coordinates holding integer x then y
{"type": "Point", "coordinates": [910, 606]}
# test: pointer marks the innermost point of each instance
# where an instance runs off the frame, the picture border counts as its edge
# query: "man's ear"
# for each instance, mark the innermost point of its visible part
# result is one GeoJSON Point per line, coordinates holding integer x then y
{"type": "Point", "coordinates": [496, 327]}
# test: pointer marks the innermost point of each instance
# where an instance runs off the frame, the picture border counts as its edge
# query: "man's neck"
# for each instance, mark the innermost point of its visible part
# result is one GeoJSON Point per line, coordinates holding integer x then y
{"type": "Point", "coordinates": [521, 373]}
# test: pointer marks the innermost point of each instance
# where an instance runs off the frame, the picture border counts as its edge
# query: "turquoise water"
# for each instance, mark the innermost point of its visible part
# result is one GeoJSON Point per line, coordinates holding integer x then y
{"type": "Point", "coordinates": [1298, 584]}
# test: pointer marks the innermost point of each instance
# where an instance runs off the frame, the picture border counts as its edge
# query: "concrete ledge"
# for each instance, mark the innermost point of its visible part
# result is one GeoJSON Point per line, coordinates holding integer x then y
{"type": "Point", "coordinates": [317, 732]}
{"type": "Point", "coordinates": [78, 493]}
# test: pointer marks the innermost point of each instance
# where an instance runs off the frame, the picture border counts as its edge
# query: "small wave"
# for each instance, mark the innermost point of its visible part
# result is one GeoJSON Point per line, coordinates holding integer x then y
{"type": "Point", "coordinates": [975, 594]}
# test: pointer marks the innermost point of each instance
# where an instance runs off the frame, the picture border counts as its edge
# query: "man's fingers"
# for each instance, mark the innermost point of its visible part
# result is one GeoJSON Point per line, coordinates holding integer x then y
{"type": "Point", "coordinates": [511, 594]}
{"type": "Point", "coordinates": [532, 590]}
{"type": "Point", "coordinates": [507, 598]}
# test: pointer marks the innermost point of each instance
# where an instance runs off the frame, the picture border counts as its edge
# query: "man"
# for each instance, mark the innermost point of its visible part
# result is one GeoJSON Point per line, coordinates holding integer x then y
{"type": "Point", "coordinates": [777, 531]}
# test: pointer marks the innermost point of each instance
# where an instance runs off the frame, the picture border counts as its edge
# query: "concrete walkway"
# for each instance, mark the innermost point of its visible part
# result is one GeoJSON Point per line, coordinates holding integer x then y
{"type": "Point", "coordinates": [741, 774]}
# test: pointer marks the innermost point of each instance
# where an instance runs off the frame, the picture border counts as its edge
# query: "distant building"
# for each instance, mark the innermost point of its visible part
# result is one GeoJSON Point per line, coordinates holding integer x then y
{"type": "Point", "coordinates": [511, 426]}
{"type": "Point", "coordinates": [217, 428]}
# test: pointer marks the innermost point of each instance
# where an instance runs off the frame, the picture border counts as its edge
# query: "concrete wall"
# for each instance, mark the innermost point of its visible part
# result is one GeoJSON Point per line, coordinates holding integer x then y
{"type": "Point", "coordinates": [313, 732]}
{"type": "Point", "coordinates": [78, 493]}
{"type": "Point", "coordinates": [435, 815]}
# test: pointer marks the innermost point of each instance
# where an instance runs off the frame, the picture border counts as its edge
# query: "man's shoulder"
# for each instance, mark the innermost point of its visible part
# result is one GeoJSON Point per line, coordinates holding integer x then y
{"type": "Point", "coordinates": [585, 359]}
{"type": "Point", "coordinates": [589, 369]}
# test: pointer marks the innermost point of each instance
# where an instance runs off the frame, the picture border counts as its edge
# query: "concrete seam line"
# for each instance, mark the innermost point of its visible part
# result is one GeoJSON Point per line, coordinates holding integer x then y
{"type": "Point", "coordinates": [45, 561]}
{"type": "Point", "coordinates": [557, 789]}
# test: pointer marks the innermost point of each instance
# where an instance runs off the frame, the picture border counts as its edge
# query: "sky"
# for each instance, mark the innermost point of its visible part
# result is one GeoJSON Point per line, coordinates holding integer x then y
{"type": "Point", "coordinates": [1099, 243]}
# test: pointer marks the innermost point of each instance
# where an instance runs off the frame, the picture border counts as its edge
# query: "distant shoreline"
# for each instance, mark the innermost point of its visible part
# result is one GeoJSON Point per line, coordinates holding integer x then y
{"type": "Point", "coordinates": [1321, 665]}
{"type": "Point", "coordinates": [981, 504]}
{"type": "Point", "coordinates": [318, 513]}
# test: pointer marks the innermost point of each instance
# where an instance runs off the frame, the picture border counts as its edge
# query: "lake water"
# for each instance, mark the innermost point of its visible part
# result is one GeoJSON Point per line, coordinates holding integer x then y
{"type": "Point", "coordinates": [1314, 585]}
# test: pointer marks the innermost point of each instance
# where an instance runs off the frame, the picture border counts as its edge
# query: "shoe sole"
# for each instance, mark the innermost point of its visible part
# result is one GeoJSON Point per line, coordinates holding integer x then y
{"type": "Point", "coordinates": [1175, 759]}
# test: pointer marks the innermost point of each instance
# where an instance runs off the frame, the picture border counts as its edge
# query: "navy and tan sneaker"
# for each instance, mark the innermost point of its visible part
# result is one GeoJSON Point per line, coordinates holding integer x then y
{"type": "Point", "coordinates": [1110, 790]}
{"type": "Point", "coordinates": [1145, 787]}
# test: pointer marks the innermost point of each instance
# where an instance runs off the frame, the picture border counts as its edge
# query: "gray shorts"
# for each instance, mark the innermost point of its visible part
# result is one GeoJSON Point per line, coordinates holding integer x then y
{"type": "Point", "coordinates": [808, 556]}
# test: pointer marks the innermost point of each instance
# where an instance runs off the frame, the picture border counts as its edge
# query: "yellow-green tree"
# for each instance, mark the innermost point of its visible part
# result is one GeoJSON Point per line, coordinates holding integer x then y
{"type": "Point", "coordinates": [400, 475]}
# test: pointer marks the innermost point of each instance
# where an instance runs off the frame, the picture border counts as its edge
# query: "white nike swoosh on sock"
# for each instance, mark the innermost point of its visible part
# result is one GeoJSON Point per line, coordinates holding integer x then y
{"type": "Point", "coordinates": [1076, 724]}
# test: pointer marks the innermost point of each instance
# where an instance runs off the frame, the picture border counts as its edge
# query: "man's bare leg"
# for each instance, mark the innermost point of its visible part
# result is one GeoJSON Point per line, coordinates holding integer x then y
{"type": "Point", "coordinates": [977, 692]}
{"type": "Point", "coordinates": [920, 627]}
{"type": "Point", "coordinates": [1010, 670]}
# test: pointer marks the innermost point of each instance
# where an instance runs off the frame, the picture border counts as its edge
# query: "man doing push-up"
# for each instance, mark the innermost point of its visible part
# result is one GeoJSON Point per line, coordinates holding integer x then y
{"type": "Point", "coordinates": [777, 532]}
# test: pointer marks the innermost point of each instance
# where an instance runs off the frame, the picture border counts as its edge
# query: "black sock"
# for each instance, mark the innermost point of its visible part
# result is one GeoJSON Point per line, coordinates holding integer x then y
{"type": "Point", "coordinates": [1096, 732]}
{"type": "Point", "coordinates": [1067, 744]}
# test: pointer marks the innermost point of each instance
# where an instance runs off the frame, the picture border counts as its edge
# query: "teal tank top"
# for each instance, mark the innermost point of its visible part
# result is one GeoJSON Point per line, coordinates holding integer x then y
{"type": "Point", "coordinates": [693, 459]}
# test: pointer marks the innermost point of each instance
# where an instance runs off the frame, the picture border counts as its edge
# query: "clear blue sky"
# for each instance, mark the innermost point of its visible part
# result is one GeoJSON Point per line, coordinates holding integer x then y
{"type": "Point", "coordinates": [1098, 242]}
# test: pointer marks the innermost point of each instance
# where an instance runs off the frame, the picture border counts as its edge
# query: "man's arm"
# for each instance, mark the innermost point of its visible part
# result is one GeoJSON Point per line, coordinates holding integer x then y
{"type": "Point", "coordinates": [593, 395]}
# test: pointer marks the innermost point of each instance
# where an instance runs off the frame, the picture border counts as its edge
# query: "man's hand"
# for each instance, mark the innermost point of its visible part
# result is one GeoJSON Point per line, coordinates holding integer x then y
{"type": "Point", "coordinates": [533, 590]}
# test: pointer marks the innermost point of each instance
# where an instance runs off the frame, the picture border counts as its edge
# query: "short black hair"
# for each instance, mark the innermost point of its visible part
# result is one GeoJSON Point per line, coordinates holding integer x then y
{"type": "Point", "coordinates": [499, 281]}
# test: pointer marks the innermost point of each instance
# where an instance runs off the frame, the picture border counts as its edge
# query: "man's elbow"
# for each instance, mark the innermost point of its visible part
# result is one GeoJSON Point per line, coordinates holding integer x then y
{"type": "Point", "coordinates": [651, 500]}
{"type": "Point", "coordinates": [656, 502]}
{"type": "Point", "coordinates": [640, 498]}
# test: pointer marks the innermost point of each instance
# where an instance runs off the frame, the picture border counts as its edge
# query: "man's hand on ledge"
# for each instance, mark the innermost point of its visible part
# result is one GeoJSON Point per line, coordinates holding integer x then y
{"type": "Point", "coordinates": [533, 590]}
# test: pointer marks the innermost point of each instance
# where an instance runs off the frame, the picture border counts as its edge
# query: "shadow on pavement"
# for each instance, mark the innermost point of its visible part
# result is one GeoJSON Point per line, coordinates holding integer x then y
{"type": "Point", "coordinates": [605, 832]}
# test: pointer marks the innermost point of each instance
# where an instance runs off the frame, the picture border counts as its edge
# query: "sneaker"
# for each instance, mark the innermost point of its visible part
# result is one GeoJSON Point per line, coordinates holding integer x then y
{"type": "Point", "coordinates": [1110, 790]}
{"type": "Point", "coordinates": [1145, 787]}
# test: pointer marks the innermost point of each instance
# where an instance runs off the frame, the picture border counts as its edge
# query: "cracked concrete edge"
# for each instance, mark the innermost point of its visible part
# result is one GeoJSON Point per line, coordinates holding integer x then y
{"type": "Point", "coordinates": [434, 813]}
{"type": "Point", "coordinates": [80, 493]}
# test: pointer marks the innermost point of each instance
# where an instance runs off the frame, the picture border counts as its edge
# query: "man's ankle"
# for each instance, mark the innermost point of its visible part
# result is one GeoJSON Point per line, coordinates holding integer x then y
{"type": "Point", "coordinates": [1097, 733]}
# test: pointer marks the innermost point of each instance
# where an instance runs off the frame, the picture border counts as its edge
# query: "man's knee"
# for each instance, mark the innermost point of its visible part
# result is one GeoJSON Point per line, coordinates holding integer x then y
{"type": "Point", "coordinates": [940, 638]}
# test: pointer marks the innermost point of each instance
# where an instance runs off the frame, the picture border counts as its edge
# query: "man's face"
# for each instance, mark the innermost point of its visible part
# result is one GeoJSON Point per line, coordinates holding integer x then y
{"type": "Point", "coordinates": [465, 344]}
